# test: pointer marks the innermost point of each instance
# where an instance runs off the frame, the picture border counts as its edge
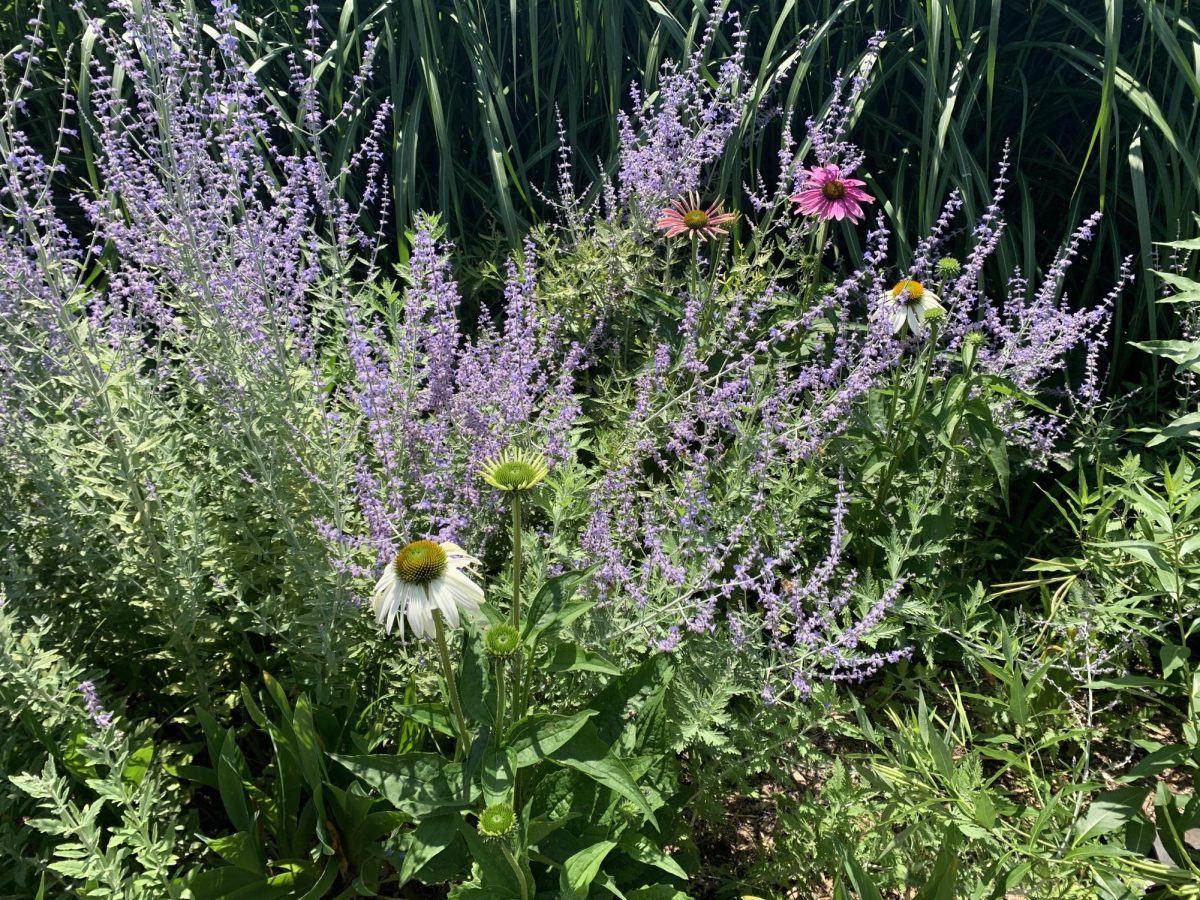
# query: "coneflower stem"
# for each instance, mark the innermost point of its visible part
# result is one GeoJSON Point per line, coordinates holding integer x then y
{"type": "Point", "coordinates": [501, 689]}
{"type": "Point", "coordinates": [516, 867]}
{"type": "Point", "coordinates": [460, 720]}
{"type": "Point", "coordinates": [516, 564]}
{"type": "Point", "coordinates": [517, 690]}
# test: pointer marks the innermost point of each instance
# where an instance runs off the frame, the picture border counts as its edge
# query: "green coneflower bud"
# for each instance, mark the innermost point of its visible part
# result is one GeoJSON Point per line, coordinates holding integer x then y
{"type": "Point", "coordinates": [935, 314]}
{"type": "Point", "coordinates": [629, 810]}
{"type": "Point", "coordinates": [515, 470]}
{"type": "Point", "coordinates": [970, 348]}
{"type": "Point", "coordinates": [497, 821]}
{"type": "Point", "coordinates": [948, 267]}
{"type": "Point", "coordinates": [501, 641]}
{"type": "Point", "coordinates": [420, 563]}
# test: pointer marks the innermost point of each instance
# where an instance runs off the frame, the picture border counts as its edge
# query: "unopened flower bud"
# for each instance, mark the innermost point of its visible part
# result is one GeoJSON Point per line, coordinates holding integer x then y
{"type": "Point", "coordinates": [949, 267]}
{"type": "Point", "coordinates": [497, 821]}
{"type": "Point", "coordinates": [501, 641]}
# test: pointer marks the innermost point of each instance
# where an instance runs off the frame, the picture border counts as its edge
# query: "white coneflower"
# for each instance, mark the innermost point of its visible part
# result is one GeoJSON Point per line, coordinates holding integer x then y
{"type": "Point", "coordinates": [912, 303]}
{"type": "Point", "coordinates": [426, 576]}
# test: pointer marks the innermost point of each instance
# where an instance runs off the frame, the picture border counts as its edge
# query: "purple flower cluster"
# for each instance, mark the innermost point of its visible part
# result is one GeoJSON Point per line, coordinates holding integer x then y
{"type": "Point", "coordinates": [100, 717]}
{"type": "Point", "coordinates": [665, 146]}
{"type": "Point", "coordinates": [436, 405]}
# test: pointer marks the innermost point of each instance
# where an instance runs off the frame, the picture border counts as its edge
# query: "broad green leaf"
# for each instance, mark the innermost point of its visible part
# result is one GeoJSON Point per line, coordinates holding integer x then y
{"type": "Point", "coordinates": [1190, 244]}
{"type": "Point", "coordinates": [497, 776]}
{"type": "Point", "coordinates": [434, 716]}
{"type": "Point", "coordinates": [1184, 427]}
{"type": "Point", "coordinates": [538, 736]}
{"type": "Point", "coordinates": [552, 597]}
{"type": "Point", "coordinates": [643, 850]}
{"type": "Point", "coordinates": [230, 767]}
{"type": "Point", "coordinates": [433, 835]}
{"type": "Point", "coordinates": [1108, 812]}
{"type": "Point", "coordinates": [581, 869]}
{"type": "Point", "coordinates": [1173, 657]}
{"type": "Point", "coordinates": [420, 784]}
{"type": "Point", "coordinates": [942, 882]}
{"type": "Point", "coordinates": [587, 753]}
{"type": "Point", "coordinates": [1185, 354]}
{"type": "Point", "coordinates": [243, 850]}
{"type": "Point", "coordinates": [570, 657]}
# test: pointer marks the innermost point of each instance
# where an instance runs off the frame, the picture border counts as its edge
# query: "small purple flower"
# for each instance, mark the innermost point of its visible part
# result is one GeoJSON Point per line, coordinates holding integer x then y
{"type": "Point", "coordinates": [100, 716]}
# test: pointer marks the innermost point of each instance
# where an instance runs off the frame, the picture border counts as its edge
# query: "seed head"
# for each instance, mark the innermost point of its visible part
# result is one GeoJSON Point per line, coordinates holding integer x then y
{"type": "Point", "coordinates": [949, 267]}
{"type": "Point", "coordinates": [515, 470]}
{"type": "Point", "coordinates": [497, 821]}
{"type": "Point", "coordinates": [501, 641]}
{"type": "Point", "coordinates": [421, 563]}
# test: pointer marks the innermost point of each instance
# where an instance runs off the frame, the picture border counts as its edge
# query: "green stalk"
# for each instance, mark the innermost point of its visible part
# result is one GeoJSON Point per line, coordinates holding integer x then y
{"type": "Point", "coordinates": [910, 419]}
{"type": "Point", "coordinates": [518, 700]}
{"type": "Point", "coordinates": [501, 690]}
{"type": "Point", "coordinates": [451, 686]}
{"type": "Point", "coordinates": [516, 565]}
{"type": "Point", "coordinates": [517, 871]}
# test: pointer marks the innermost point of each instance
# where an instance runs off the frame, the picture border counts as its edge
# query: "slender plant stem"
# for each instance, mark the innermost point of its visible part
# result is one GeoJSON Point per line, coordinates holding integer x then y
{"type": "Point", "coordinates": [518, 699]}
{"type": "Point", "coordinates": [451, 686]}
{"type": "Point", "coordinates": [910, 418]}
{"type": "Point", "coordinates": [516, 563]}
{"type": "Point", "coordinates": [517, 871]}
{"type": "Point", "coordinates": [501, 689]}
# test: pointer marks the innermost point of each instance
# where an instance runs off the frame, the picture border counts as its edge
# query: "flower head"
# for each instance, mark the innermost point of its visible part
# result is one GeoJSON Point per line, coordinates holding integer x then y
{"type": "Point", "coordinates": [497, 821]}
{"type": "Point", "coordinates": [515, 470]}
{"type": "Point", "coordinates": [501, 641]}
{"type": "Point", "coordinates": [828, 194]}
{"type": "Point", "coordinates": [685, 215]}
{"type": "Point", "coordinates": [425, 576]}
{"type": "Point", "coordinates": [911, 305]}
{"type": "Point", "coordinates": [949, 267]}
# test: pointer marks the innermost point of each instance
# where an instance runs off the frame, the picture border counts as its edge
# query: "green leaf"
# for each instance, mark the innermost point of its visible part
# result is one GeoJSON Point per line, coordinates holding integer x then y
{"type": "Point", "coordinates": [1183, 353]}
{"type": "Point", "coordinates": [862, 883]}
{"type": "Point", "coordinates": [138, 764]}
{"type": "Point", "coordinates": [570, 657]}
{"type": "Point", "coordinates": [551, 598]}
{"type": "Point", "coordinates": [631, 706]}
{"type": "Point", "coordinates": [581, 869]}
{"type": "Point", "coordinates": [243, 850]}
{"type": "Point", "coordinates": [1173, 657]}
{"type": "Point", "coordinates": [1172, 756]}
{"type": "Point", "coordinates": [475, 688]}
{"type": "Point", "coordinates": [643, 850]}
{"type": "Point", "coordinates": [587, 753]}
{"type": "Point", "coordinates": [1108, 812]}
{"type": "Point", "coordinates": [942, 882]}
{"type": "Point", "coordinates": [433, 835]}
{"type": "Point", "coordinates": [1183, 427]}
{"type": "Point", "coordinates": [434, 716]}
{"type": "Point", "coordinates": [308, 747]}
{"type": "Point", "coordinates": [538, 736]}
{"type": "Point", "coordinates": [498, 776]}
{"type": "Point", "coordinates": [420, 784]}
{"type": "Point", "coordinates": [230, 767]}
{"type": "Point", "coordinates": [229, 883]}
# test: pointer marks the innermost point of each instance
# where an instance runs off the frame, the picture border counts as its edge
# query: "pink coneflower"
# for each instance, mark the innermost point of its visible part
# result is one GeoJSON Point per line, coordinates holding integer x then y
{"type": "Point", "coordinates": [830, 195]}
{"type": "Point", "coordinates": [685, 215]}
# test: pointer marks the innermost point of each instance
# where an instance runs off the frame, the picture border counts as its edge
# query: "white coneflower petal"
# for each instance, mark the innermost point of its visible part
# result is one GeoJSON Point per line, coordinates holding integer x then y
{"type": "Point", "coordinates": [468, 593]}
{"type": "Point", "coordinates": [426, 576]}
{"type": "Point", "coordinates": [911, 303]}
{"type": "Point", "coordinates": [443, 597]}
{"type": "Point", "coordinates": [913, 316]}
